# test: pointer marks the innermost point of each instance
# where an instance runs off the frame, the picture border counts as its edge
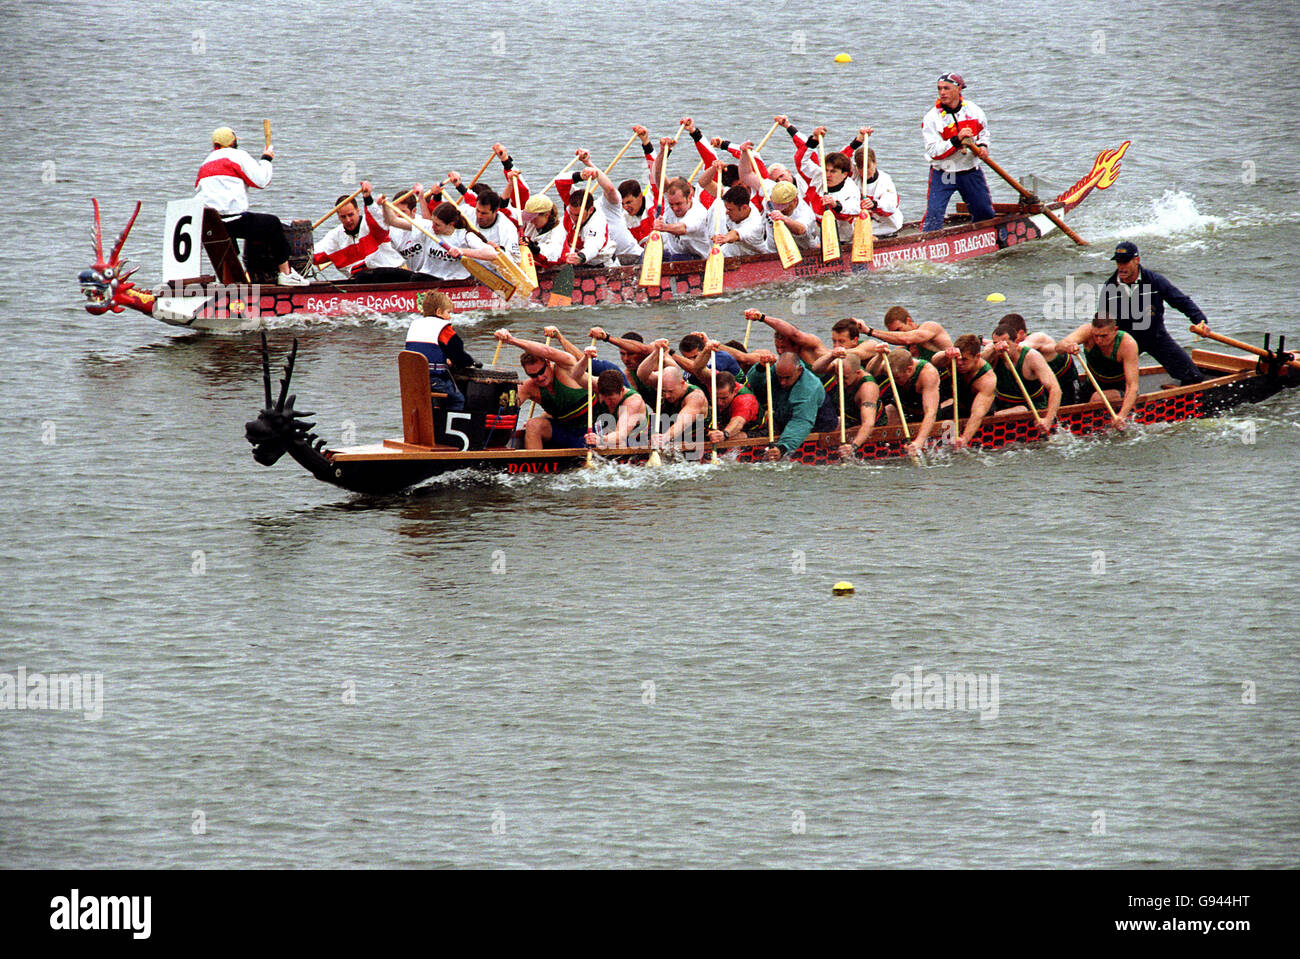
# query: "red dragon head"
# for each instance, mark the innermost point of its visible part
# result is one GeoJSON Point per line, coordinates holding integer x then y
{"type": "Point", "coordinates": [106, 285]}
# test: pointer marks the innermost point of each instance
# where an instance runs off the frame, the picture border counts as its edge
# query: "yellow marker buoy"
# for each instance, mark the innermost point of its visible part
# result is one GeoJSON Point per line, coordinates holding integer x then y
{"type": "Point", "coordinates": [843, 58]}
{"type": "Point", "coordinates": [996, 298]}
{"type": "Point", "coordinates": [842, 588]}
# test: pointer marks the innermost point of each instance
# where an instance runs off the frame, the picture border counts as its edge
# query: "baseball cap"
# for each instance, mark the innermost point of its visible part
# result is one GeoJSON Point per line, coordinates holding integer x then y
{"type": "Point", "coordinates": [1124, 252]}
{"type": "Point", "coordinates": [539, 204]}
{"type": "Point", "coordinates": [784, 192]}
{"type": "Point", "coordinates": [223, 136]}
{"type": "Point", "coordinates": [953, 78]}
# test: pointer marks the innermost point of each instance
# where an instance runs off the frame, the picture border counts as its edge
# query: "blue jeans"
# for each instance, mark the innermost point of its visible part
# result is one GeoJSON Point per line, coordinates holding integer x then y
{"type": "Point", "coordinates": [1164, 349]}
{"type": "Point", "coordinates": [972, 186]}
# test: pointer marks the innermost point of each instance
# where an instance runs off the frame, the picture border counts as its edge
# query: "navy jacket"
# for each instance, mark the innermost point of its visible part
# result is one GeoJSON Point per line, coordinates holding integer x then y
{"type": "Point", "coordinates": [1150, 294]}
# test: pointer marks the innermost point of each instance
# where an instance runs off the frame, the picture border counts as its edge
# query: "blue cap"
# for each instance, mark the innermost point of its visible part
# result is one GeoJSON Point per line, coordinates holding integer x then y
{"type": "Point", "coordinates": [1124, 252]}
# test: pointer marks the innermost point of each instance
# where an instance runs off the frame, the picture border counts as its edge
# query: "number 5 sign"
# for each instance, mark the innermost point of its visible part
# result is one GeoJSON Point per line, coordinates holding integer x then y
{"type": "Point", "coordinates": [181, 257]}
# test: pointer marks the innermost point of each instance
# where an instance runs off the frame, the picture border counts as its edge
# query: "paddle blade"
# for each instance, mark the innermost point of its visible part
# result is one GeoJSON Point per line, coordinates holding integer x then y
{"type": "Point", "coordinates": [653, 261]}
{"type": "Point", "coordinates": [529, 266]}
{"type": "Point", "coordinates": [785, 245]}
{"type": "Point", "coordinates": [509, 269]}
{"type": "Point", "coordinates": [484, 274]}
{"type": "Point", "coordinates": [830, 238]}
{"type": "Point", "coordinates": [713, 272]}
{"type": "Point", "coordinates": [654, 459]}
{"type": "Point", "coordinates": [561, 287]}
{"type": "Point", "coordinates": [863, 241]}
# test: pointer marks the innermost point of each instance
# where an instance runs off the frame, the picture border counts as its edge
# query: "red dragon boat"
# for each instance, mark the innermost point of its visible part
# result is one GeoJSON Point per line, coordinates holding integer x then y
{"type": "Point", "coordinates": [226, 300]}
{"type": "Point", "coordinates": [484, 436]}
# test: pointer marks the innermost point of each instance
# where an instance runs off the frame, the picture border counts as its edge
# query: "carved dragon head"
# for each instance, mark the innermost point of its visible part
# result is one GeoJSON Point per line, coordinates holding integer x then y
{"type": "Point", "coordinates": [106, 285]}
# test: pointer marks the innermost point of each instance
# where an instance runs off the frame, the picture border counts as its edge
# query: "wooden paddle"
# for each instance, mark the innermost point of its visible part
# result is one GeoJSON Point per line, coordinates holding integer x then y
{"type": "Point", "coordinates": [654, 459]}
{"type": "Point", "coordinates": [1200, 329]}
{"type": "Point", "coordinates": [507, 267]}
{"type": "Point", "coordinates": [713, 266]}
{"type": "Point", "coordinates": [338, 206]}
{"type": "Point", "coordinates": [785, 245]}
{"type": "Point", "coordinates": [1038, 420]}
{"type": "Point", "coordinates": [830, 230]}
{"type": "Point", "coordinates": [582, 211]}
{"type": "Point", "coordinates": [266, 133]}
{"type": "Point", "coordinates": [695, 172]}
{"type": "Point", "coordinates": [839, 368]}
{"type": "Point", "coordinates": [898, 400]}
{"type": "Point", "coordinates": [1096, 386]}
{"type": "Point", "coordinates": [526, 262]}
{"type": "Point", "coordinates": [590, 413]}
{"type": "Point", "coordinates": [653, 259]}
{"type": "Point", "coordinates": [763, 142]}
{"type": "Point", "coordinates": [626, 147]}
{"type": "Point", "coordinates": [481, 170]}
{"type": "Point", "coordinates": [557, 176]}
{"type": "Point", "coordinates": [771, 409]}
{"type": "Point", "coordinates": [749, 324]}
{"type": "Point", "coordinates": [713, 378]}
{"type": "Point", "coordinates": [863, 239]}
{"type": "Point", "coordinates": [997, 168]}
{"type": "Point", "coordinates": [956, 416]}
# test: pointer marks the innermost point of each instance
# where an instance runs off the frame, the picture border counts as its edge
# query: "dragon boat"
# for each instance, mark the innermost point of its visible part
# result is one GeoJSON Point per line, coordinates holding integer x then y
{"type": "Point", "coordinates": [238, 295]}
{"type": "Point", "coordinates": [485, 436]}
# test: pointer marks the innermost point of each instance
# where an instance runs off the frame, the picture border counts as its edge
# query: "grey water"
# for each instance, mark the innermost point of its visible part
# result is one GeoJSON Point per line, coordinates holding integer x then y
{"type": "Point", "coordinates": [628, 667]}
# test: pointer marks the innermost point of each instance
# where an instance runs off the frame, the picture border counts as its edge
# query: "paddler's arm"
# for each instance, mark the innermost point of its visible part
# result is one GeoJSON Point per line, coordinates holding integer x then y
{"type": "Point", "coordinates": [922, 334]}
{"type": "Point", "coordinates": [824, 360]}
{"type": "Point", "coordinates": [630, 346]}
{"type": "Point", "coordinates": [986, 387]}
{"type": "Point", "coordinates": [867, 397]}
{"type": "Point", "coordinates": [802, 415]}
{"type": "Point", "coordinates": [648, 370]}
{"type": "Point", "coordinates": [1128, 353]}
{"type": "Point", "coordinates": [930, 403]}
{"type": "Point", "coordinates": [554, 333]}
{"type": "Point", "coordinates": [540, 350]}
{"type": "Point", "coordinates": [665, 148]}
{"type": "Point", "coordinates": [1036, 365]}
{"type": "Point", "coordinates": [593, 172]}
{"type": "Point", "coordinates": [1078, 339]}
{"type": "Point", "coordinates": [694, 407]}
{"type": "Point", "coordinates": [787, 329]}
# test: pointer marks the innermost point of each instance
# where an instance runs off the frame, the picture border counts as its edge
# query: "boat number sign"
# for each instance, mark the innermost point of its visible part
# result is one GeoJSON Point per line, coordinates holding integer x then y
{"type": "Point", "coordinates": [181, 258]}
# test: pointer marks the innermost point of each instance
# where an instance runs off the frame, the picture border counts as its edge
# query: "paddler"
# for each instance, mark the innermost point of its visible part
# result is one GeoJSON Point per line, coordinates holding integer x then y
{"type": "Point", "coordinates": [745, 230]}
{"type": "Point", "coordinates": [738, 409]}
{"type": "Point", "coordinates": [591, 242]}
{"type": "Point", "coordinates": [977, 385]}
{"type": "Point", "coordinates": [955, 132]}
{"type": "Point", "coordinates": [786, 206]}
{"type": "Point", "coordinates": [1136, 297]}
{"type": "Point", "coordinates": [1061, 364]}
{"type": "Point", "coordinates": [881, 197]}
{"type": "Point", "coordinates": [684, 404]}
{"type": "Point", "coordinates": [798, 401]}
{"type": "Point", "coordinates": [432, 334]}
{"type": "Point", "coordinates": [551, 386]}
{"type": "Point", "coordinates": [918, 388]}
{"type": "Point", "coordinates": [1112, 357]}
{"type": "Point", "coordinates": [360, 245]}
{"type": "Point", "coordinates": [544, 232]}
{"type": "Point", "coordinates": [449, 227]}
{"type": "Point", "coordinates": [610, 206]}
{"type": "Point", "coordinates": [864, 406]}
{"type": "Point", "coordinates": [221, 184]}
{"type": "Point", "coordinates": [407, 237]}
{"type": "Point", "coordinates": [632, 349]}
{"type": "Point", "coordinates": [922, 340]}
{"type": "Point", "coordinates": [623, 421]}
{"type": "Point", "coordinates": [1038, 379]}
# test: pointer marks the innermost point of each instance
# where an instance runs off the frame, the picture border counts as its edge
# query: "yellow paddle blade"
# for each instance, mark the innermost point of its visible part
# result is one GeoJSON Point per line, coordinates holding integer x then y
{"type": "Point", "coordinates": [863, 241]}
{"type": "Point", "coordinates": [527, 264]}
{"type": "Point", "coordinates": [484, 275]}
{"type": "Point", "coordinates": [509, 269]}
{"type": "Point", "coordinates": [653, 261]}
{"type": "Point", "coordinates": [785, 245]}
{"type": "Point", "coordinates": [830, 238]}
{"type": "Point", "coordinates": [713, 272]}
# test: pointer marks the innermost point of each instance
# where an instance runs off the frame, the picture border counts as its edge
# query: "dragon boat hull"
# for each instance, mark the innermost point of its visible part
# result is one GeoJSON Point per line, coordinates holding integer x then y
{"type": "Point", "coordinates": [396, 465]}
{"type": "Point", "coordinates": [205, 304]}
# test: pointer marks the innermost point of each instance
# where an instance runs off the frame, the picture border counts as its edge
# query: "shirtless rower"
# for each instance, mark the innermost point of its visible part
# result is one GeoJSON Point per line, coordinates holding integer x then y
{"type": "Point", "coordinates": [977, 385]}
{"type": "Point", "coordinates": [1038, 378]}
{"type": "Point", "coordinates": [922, 340]}
{"type": "Point", "coordinates": [918, 387]}
{"type": "Point", "coordinates": [1061, 364]}
{"type": "Point", "coordinates": [623, 418]}
{"type": "Point", "coordinates": [551, 386]}
{"type": "Point", "coordinates": [1112, 356]}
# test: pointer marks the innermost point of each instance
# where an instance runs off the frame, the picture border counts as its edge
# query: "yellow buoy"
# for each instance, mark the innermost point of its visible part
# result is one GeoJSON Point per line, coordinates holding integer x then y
{"type": "Point", "coordinates": [842, 588]}
{"type": "Point", "coordinates": [843, 58]}
{"type": "Point", "coordinates": [996, 298]}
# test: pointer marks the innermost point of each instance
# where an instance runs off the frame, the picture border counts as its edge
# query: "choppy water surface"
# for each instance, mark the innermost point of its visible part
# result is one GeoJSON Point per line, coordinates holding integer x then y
{"type": "Point", "coordinates": [629, 667]}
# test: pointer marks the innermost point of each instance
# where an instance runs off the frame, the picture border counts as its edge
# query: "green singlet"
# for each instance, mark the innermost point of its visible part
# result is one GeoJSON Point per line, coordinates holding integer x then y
{"type": "Point", "coordinates": [672, 409]}
{"type": "Point", "coordinates": [564, 404]}
{"type": "Point", "coordinates": [1107, 369]}
{"type": "Point", "coordinates": [1009, 392]}
{"type": "Point", "coordinates": [966, 386]}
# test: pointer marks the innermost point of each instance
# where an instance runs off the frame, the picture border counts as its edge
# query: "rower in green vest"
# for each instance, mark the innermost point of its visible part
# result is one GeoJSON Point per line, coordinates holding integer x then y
{"type": "Point", "coordinates": [1112, 357]}
{"type": "Point", "coordinates": [551, 384]}
{"type": "Point", "coordinates": [864, 397]}
{"type": "Point", "coordinates": [976, 385]}
{"type": "Point", "coordinates": [1061, 364]}
{"type": "Point", "coordinates": [918, 388]}
{"type": "Point", "coordinates": [684, 406]}
{"type": "Point", "coordinates": [622, 419]}
{"type": "Point", "coordinates": [631, 350]}
{"type": "Point", "coordinates": [1040, 383]}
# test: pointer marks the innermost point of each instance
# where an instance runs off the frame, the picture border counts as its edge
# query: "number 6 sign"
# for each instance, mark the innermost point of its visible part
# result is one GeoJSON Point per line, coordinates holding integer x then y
{"type": "Point", "coordinates": [181, 257]}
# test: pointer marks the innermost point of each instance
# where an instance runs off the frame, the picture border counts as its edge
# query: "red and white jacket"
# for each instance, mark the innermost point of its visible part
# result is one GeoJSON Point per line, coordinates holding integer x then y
{"type": "Point", "coordinates": [225, 176]}
{"type": "Point", "coordinates": [594, 240]}
{"type": "Point", "coordinates": [371, 247]}
{"type": "Point", "coordinates": [887, 214]}
{"type": "Point", "coordinates": [939, 129]}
